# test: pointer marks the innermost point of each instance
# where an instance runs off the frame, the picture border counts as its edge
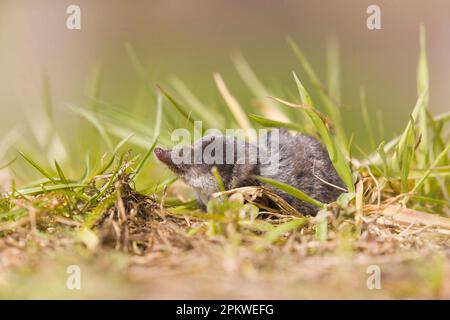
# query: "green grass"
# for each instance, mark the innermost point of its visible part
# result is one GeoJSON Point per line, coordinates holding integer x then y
{"type": "Point", "coordinates": [398, 157]}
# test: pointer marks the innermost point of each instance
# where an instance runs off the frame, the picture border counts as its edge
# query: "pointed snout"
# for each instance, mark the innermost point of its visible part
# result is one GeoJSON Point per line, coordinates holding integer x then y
{"type": "Point", "coordinates": [163, 155]}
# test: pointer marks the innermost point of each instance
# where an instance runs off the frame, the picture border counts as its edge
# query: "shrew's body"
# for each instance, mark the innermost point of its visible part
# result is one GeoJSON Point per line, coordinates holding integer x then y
{"type": "Point", "coordinates": [298, 160]}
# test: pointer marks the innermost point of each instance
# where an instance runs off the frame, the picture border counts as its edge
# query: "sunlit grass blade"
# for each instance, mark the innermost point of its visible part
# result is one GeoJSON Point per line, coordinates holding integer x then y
{"type": "Point", "coordinates": [7, 164]}
{"type": "Point", "coordinates": [113, 155]}
{"type": "Point", "coordinates": [89, 116]}
{"type": "Point", "coordinates": [292, 191]}
{"type": "Point", "coordinates": [321, 225]}
{"type": "Point", "coordinates": [236, 110]}
{"type": "Point", "coordinates": [38, 167]}
{"type": "Point", "coordinates": [218, 178]}
{"type": "Point", "coordinates": [211, 118]}
{"type": "Point", "coordinates": [425, 176]}
{"type": "Point", "coordinates": [422, 89]}
{"type": "Point", "coordinates": [367, 122]}
{"type": "Point", "coordinates": [431, 200]}
{"type": "Point", "coordinates": [109, 183]}
{"type": "Point", "coordinates": [438, 143]}
{"type": "Point", "coordinates": [144, 160]}
{"type": "Point", "coordinates": [276, 233]}
{"type": "Point", "coordinates": [391, 144]}
{"type": "Point", "coordinates": [121, 125]}
{"type": "Point", "coordinates": [178, 106]}
{"type": "Point", "coordinates": [331, 107]}
{"type": "Point", "coordinates": [47, 98]}
{"type": "Point", "coordinates": [337, 157]}
{"type": "Point", "coordinates": [269, 108]}
{"type": "Point", "coordinates": [96, 213]}
{"type": "Point", "coordinates": [405, 152]}
{"type": "Point", "coordinates": [119, 116]}
{"type": "Point", "coordinates": [382, 153]}
{"type": "Point", "coordinates": [87, 167]}
{"type": "Point", "coordinates": [405, 138]}
{"type": "Point", "coordinates": [45, 189]}
{"type": "Point", "coordinates": [137, 65]}
{"type": "Point", "coordinates": [159, 114]}
{"type": "Point", "coordinates": [160, 186]}
{"type": "Point", "coordinates": [149, 152]}
{"type": "Point", "coordinates": [94, 88]}
{"type": "Point", "coordinates": [13, 214]}
{"type": "Point", "coordinates": [61, 174]}
{"type": "Point", "coordinates": [273, 123]}
{"type": "Point", "coordinates": [333, 69]}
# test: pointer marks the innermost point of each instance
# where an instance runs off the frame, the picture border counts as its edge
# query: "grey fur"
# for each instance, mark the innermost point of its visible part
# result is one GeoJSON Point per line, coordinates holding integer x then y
{"type": "Point", "coordinates": [303, 163]}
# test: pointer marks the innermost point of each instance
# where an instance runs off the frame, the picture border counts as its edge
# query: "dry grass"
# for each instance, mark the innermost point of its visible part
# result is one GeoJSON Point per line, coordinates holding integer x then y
{"type": "Point", "coordinates": [168, 252]}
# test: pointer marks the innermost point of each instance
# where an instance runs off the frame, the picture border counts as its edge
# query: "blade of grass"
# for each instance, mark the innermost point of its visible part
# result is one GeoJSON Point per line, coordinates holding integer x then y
{"type": "Point", "coordinates": [375, 157]}
{"type": "Point", "coordinates": [113, 156]}
{"type": "Point", "coordinates": [89, 116]}
{"type": "Point", "coordinates": [274, 123]}
{"type": "Point", "coordinates": [422, 89]}
{"type": "Point", "coordinates": [61, 175]}
{"type": "Point", "coordinates": [406, 152]}
{"type": "Point", "coordinates": [333, 69]}
{"type": "Point", "coordinates": [405, 136]}
{"type": "Point", "coordinates": [218, 178]}
{"type": "Point", "coordinates": [321, 225]}
{"type": "Point", "coordinates": [47, 98]}
{"type": "Point", "coordinates": [178, 106]}
{"type": "Point", "coordinates": [155, 140]}
{"type": "Point", "coordinates": [38, 168]}
{"type": "Point", "coordinates": [212, 119]}
{"type": "Point", "coordinates": [367, 122]}
{"type": "Point", "coordinates": [97, 212]}
{"type": "Point", "coordinates": [331, 106]}
{"type": "Point", "coordinates": [107, 185]}
{"type": "Point", "coordinates": [95, 86]}
{"type": "Point", "coordinates": [337, 157]}
{"type": "Point", "coordinates": [291, 190]}
{"type": "Point", "coordinates": [147, 155]}
{"type": "Point", "coordinates": [6, 165]}
{"type": "Point", "coordinates": [269, 108]}
{"type": "Point", "coordinates": [87, 167]}
{"type": "Point", "coordinates": [159, 112]}
{"type": "Point", "coordinates": [234, 106]}
{"type": "Point", "coordinates": [37, 190]}
{"type": "Point", "coordinates": [428, 172]}
{"type": "Point", "coordinates": [380, 150]}
{"type": "Point", "coordinates": [136, 63]}
{"type": "Point", "coordinates": [277, 232]}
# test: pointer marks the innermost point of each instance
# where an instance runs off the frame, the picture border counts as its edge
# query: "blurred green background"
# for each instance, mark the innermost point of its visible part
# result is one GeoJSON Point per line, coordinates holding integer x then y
{"type": "Point", "coordinates": [193, 39]}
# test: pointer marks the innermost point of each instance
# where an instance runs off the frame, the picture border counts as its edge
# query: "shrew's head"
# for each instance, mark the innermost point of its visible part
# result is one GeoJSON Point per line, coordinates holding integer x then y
{"type": "Point", "coordinates": [194, 163]}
